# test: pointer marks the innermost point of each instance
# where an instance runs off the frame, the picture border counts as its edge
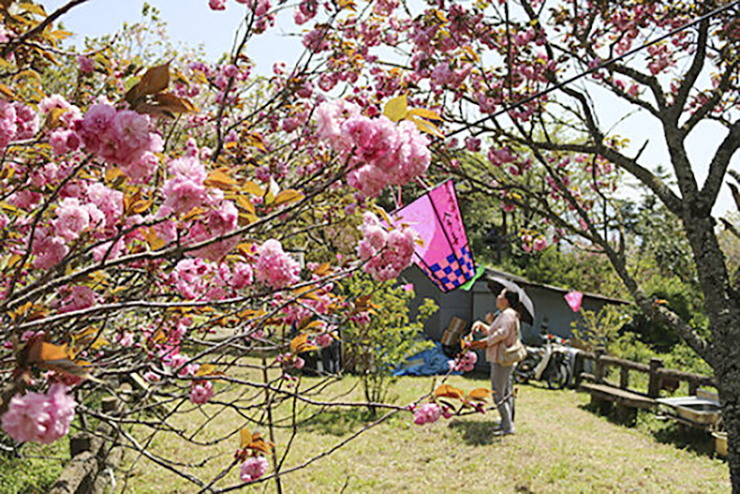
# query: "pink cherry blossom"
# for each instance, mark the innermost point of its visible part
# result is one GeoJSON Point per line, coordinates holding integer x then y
{"type": "Point", "coordinates": [105, 249]}
{"type": "Point", "coordinates": [86, 64]}
{"type": "Point", "coordinates": [182, 195]}
{"type": "Point", "coordinates": [49, 251]}
{"type": "Point", "coordinates": [427, 413]}
{"type": "Point", "coordinates": [189, 277]}
{"type": "Point", "coordinates": [253, 468]}
{"type": "Point", "coordinates": [387, 254]}
{"type": "Point", "coordinates": [64, 141]}
{"type": "Point", "coordinates": [95, 124]}
{"type": "Point", "coordinates": [72, 219]}
{"type": "Point", "coordinates": [467, 362]}
{"type": "Point", "coordinates": [324, 340]}
{"type": "Point", "coordinates": [107, 200]}
{"type": "Point", "coordinates": [201, 392]}
{"type": "Point", "coordinates": [81, 297]}
{"type": "Point", "coordinates": [8, 125]}
{"type": "Point", "coordinates": [539, 244]}
{"type": "Point", "coordinates": [141, 170]}
{"type": "Point", "coordinates": [36, 417]}
{"type": "Point", "coordinates": [120, 137]}
{"type": "Point", "coordinates": [242, 275]}
{"type": "Point", "coordinates": [274, 267]}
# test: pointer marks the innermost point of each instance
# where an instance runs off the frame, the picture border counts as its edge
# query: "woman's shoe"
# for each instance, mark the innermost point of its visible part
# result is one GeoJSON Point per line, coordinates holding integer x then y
{"type": "Point", "coordinates": [500, 432]}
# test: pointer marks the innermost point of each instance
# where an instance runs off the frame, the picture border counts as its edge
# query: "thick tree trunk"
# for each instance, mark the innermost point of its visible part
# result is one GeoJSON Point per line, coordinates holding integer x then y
{"type": "Point", "coordinates": [729, 392]}
{"type": "Point", "coordinates": [723, 310]}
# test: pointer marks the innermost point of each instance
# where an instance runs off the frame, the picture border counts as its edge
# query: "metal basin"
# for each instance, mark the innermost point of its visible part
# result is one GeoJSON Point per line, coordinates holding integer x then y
{"type": "Point", "coordinates": [694, 409]}
{"type": "Point", "coordinates": [720, 443]}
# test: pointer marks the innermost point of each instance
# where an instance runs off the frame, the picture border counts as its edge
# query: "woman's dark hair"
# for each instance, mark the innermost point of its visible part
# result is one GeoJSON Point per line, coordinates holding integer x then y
{"type": "Point", "coordinates": [512, 298]}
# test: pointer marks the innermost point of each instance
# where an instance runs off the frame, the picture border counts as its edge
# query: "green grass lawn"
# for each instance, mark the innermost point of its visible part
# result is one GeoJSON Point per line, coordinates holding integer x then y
{"type": "Point", "coordinates": [36, 472]}
{"type": "Point", "coordinates": [560, 447]}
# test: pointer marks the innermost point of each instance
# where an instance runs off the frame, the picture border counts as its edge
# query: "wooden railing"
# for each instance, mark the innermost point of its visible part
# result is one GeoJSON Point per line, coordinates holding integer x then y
{"type": "Point", "coordinates": [658, 376]}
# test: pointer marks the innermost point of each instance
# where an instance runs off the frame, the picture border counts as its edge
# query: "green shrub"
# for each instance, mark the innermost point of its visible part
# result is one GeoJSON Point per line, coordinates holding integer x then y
{"type": "Point", "coordinates": [375, 349]}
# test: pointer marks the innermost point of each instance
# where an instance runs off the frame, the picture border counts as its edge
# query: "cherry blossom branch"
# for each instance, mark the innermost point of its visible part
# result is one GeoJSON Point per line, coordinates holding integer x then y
{"type": "Point", "coordinates": [39, 28]}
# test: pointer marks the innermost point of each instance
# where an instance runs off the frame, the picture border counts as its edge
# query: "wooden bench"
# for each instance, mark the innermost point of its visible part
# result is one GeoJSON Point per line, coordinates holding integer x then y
{"type": "Point", "coordinates": [627, 402]}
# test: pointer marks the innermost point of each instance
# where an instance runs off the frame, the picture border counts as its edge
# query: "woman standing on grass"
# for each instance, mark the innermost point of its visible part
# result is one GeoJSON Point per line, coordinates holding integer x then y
{"type": "Point", "coordinates": [504, 330]}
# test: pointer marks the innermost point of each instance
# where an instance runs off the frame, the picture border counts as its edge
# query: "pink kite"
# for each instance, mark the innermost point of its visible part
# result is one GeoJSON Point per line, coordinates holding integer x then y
{"type": "Point", "coordinates": [445, 255]}
{"type": "Point", "coordinates": [574, 300]}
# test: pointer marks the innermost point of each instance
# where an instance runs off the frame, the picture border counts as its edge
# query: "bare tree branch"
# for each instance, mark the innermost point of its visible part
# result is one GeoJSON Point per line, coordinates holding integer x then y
{"type": "Point", "coordinates": [718, 168]}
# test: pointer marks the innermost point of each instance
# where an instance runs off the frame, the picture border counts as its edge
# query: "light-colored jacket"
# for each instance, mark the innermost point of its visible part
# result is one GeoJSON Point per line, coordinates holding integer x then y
{"type": "Point", "coordinates": [503, 330]}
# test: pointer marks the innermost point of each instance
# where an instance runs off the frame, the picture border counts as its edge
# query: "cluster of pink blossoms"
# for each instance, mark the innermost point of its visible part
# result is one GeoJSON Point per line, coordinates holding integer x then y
{"type": "Point", "coordinates": [253, 468]}
{"type": "Point", "coordinates": [275, 267]}
{"type": "Point", "coordinates": [387, 254]}
{"type": "Point", "coordinates": [121, 137]}
{"type": "Point", "coordinates": [379, 151]}
{"type": "Point", "coordinates": [529, 244]}
{"type": "Point", "coordinates": [17, 122]}
{"type": "Point", "coordinates": [185, 191]}
{"type": "Point", "coordinates": [201, 392]}
{"type": "Point", "coordinates": [42, 418]}
{"type": "Point", "coordinates": [81, 297]}
{"type": "Point", "coordinates": [261, 9]}
{"type": "Point", "coordinates": [427, 413]}
{"type": "Point", "coordinates": [93, 208]}
{"type": "Point", "coordinates": [466, 363]}
{"type": "Point", "coordinates": [194, 278]}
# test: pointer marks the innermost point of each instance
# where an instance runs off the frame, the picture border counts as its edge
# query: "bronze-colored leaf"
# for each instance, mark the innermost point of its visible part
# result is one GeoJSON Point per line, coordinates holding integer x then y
{"type": "Point", "coordinates": [480, 394]}
{"type": "Point", "coordinates": [286, 196]}
{"type": "Point", "coordinates": [220, 180]}
{"type": "Point", "coordinates": [51, 352]}
{"type": "Point", "coordinates": [164, 105]}
{"type": "Point", "coordinates": [251, 187]}
{"type": "Point", "coordinates": [245, 438]}
{"type": "Point", "coordinates": [447, 391]}
{"type": "Point", "coordinates": [6, 92]}
{"type": "Point", "coordinates": [33, 8]}
{"type": "Point", "coordinates": [246, 204]}
{"type": "Point", "coordinates": [259, 444]}
{"type": "Point", "coordinates": [323, 269]}
{"type": "Point", "coordinates": [155, 241]}
{"type": "Point", "coordinates": [397, 108]}
{"type": "Point", "coordinates": [300, 344]}
{"type": "Point", "coordinates": [155, 80]}
{"type": "Point", "coordinates": [428, 127]}
{"type": "Point", "coordinates": [424, 113]}
{"type": "Point", "coordinates": [66, 366]}
{"type": "Point", "coordinates": [205, 370]}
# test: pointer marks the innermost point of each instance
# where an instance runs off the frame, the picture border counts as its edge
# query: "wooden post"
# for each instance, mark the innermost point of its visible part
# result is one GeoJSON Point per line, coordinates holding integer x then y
{"type": "Point", "coordinates": [599, 367]}
{"type": "Point", "coordinates": [624, 377]}
{"type": "Point", "coordinates": [626, 415]}
{"type": "Point", "coordinates": [577, 369]}
{"type": "Point", "coordinates": [654, 384]}
{"type": "Point", "coordinates": [693, 386]}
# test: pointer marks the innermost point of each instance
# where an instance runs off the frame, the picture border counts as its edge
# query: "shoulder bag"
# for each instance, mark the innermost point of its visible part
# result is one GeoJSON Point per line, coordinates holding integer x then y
{"type": "Point", "coordinates": [513, 354]}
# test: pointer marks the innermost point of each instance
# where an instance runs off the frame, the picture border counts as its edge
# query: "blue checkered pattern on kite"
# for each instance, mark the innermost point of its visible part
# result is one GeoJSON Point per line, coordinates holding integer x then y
{"type": "Point", "coordinates": [451, 272]}
{"type": "Point", "coordinates": [467, 263]}
{"type": "Point", "coordinates": [430, 275]}
{"type": "Point", "coordinates": [448, 272]}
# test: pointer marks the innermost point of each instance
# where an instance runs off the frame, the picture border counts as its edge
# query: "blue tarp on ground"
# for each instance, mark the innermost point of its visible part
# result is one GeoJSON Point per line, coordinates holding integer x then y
{"type": "Point", "coordinates": [430, 362]}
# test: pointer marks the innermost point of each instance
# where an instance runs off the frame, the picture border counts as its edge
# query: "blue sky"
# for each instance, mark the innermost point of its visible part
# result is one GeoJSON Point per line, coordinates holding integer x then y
{"type": "Point", "coordinates": [193, 22]}
{"type": "Point", "coordinates": [189, 21]}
